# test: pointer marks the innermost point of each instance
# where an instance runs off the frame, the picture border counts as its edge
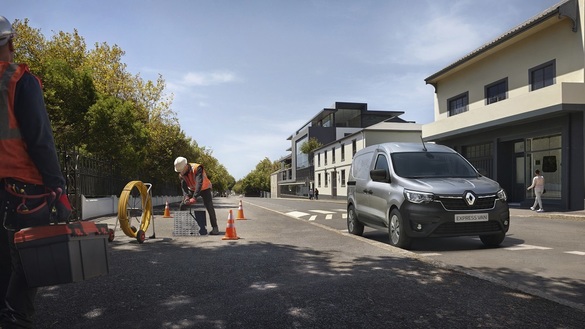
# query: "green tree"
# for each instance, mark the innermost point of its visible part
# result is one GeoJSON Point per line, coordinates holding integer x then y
{"type": "Point", "coordinates": [115, 132]}
{"type": "Point", "coordinates": [259, 179]}
{"type": "Point", "coordinates": [99, 107]}
{"type": "Point", "coordinates": [309, 146]}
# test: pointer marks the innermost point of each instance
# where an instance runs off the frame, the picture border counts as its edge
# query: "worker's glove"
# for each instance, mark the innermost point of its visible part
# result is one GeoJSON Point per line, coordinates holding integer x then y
{"type": "Point", "coordinates": [189, 201]}
{"type": "Point", "coordinates": [62, 207]}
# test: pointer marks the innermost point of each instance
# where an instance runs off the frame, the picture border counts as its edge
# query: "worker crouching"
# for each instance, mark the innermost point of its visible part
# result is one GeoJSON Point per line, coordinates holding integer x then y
{"type": "Point", "coordinates": [194, 183]}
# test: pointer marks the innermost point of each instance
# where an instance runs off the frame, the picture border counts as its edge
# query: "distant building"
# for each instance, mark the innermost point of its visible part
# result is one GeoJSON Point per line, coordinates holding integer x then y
{"type": "Point", "coordinates": [333, 161]}
{"type": "Point", "coordinates": [517, 104]}
{"type": "Point", "coordinates": [297, 174]}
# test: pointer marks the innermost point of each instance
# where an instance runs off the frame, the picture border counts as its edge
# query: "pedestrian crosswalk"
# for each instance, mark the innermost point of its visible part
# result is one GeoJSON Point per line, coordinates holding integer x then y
{"type": "Point", "coordinates": [312, 215]}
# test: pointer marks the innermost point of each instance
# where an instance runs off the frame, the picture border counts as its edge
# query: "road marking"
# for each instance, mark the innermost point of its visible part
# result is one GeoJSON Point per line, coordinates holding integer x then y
{"type": "Point", "coordinates": [578, 253]}
{"type": "Point", "coordinates": [340, 210]}
{"type": "Point", "coordinates": [526, 247]}
{"type": "Point", "coordinates": [328, 214]}
{"type": "Point", "coordinates": [322, 211]}
{"type": "Point", "coordinates": [429, 254]}
{"type": "Point", "coordinates": [297, 214]}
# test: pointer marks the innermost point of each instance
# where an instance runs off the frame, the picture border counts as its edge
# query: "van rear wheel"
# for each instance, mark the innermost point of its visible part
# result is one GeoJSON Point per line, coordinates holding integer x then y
{"type": "Point", "coordinates": [353, 225]}
{"type": "Point", "coordinates": [398, 237]}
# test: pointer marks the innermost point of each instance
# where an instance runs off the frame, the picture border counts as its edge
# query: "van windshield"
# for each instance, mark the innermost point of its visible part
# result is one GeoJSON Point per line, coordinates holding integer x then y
{"type": "Point", "coordinates": [431, 165]}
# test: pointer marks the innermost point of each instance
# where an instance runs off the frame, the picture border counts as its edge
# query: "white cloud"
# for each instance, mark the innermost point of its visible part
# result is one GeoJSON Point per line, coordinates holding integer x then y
{"type": "Point", "coordinates": [441, 39]}
{"type": "Point", "coordinates": [207, 79]}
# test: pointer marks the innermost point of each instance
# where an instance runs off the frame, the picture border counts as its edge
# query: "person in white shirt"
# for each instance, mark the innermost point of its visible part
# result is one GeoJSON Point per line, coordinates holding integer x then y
{"type": "Point", "coordinates": [538, 186]}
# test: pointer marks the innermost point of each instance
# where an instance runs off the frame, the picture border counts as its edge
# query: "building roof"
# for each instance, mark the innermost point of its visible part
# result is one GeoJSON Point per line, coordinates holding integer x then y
{"type": "Point", "coordinates": [345, 110]}
{"type": "Point", "coordinates": [381, 126]}
{"type": "Point", "coordinates": [565, 8]}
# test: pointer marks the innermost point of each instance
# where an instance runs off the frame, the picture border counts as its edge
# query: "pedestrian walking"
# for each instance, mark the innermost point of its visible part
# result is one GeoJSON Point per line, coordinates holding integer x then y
{"type": "Point", "coordinates": [310, 194]}
{"type": "Point", "coordinates": [538, 186]}
{"type": "Point", "coordinates": [194, 183]}
{"type": "Point", "coordinates": [32, 184]}
{"type": "Point", "coordinates": [316, 194]}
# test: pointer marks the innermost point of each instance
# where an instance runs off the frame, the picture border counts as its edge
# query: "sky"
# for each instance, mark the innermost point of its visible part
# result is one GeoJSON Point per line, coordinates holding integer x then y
{"type": "Point", "coordinates": [246, 74]}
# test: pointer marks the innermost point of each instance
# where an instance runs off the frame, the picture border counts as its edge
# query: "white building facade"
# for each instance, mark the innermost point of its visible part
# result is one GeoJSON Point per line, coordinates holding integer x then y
{"type": "Point", "coordinates": [332, 162]}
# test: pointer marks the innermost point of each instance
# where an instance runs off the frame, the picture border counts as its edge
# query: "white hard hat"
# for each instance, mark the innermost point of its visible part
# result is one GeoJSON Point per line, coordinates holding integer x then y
{"type": "Point", "coordinates": [6, 31]}
{"type": "Point", "coordinates": [180, 164]}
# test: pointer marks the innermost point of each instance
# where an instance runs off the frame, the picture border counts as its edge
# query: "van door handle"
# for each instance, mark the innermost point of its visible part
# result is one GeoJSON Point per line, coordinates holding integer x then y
{"type": "Point", "coordinates": [368, 191]}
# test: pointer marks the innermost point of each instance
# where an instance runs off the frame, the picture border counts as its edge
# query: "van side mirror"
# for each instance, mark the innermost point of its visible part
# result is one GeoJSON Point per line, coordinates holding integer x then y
{"type": "Point", "coordinates": [380, 175]}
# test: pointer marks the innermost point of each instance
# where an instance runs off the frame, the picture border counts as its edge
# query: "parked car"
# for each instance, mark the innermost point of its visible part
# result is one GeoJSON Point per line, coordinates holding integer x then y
{"type": "Point", "coordinates": [419, 190]}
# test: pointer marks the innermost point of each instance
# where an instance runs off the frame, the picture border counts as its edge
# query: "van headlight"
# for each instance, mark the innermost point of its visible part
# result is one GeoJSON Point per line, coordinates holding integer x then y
{"type": "Point", "coordinates": [502, 195]}
{"type": "Point", "coordinates": [418, 197]}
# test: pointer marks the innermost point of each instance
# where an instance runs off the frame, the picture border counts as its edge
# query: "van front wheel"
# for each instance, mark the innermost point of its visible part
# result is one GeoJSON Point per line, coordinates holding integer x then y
{"type": "Point", "coordinates": [396, 232]}
{"type": "Point", "coordinates": [493, 240]}
{"type": "Point", "coordinates": [353, 225]}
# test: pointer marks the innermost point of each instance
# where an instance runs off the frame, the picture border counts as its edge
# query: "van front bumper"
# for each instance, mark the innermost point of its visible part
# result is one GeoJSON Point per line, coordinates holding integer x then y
{"type": "Point", "coordinates": [432, 220]}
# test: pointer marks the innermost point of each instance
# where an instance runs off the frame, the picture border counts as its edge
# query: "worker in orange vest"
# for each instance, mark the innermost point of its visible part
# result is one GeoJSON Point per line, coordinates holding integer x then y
{"type": "Point", "coordinates": [194, 183]}
{"type": "Point", "coordinates": [32, 186]}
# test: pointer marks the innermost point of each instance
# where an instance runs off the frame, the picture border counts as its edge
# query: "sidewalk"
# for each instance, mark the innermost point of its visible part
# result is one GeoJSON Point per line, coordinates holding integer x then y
{"type": "Point", "coordinates": [554, 214]}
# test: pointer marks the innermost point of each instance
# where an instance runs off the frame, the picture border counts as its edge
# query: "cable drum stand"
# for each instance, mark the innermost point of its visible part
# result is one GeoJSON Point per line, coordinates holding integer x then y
{"type": "Point", "coordinates": [131, 210]}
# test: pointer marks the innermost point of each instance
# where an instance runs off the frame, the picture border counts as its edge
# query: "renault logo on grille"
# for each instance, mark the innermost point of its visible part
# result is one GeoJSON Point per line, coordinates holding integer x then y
{"type": "Point", "coordinates": [469, 198]}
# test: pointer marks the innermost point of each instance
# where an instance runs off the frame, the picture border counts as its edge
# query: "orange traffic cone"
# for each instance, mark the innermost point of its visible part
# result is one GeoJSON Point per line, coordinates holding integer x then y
{"type": "Point", "coordinates": [230, 230]}
{"type": "Point", "coordinates": [240, 212]}
{"type": "Point", "coordinates": [167, 213]}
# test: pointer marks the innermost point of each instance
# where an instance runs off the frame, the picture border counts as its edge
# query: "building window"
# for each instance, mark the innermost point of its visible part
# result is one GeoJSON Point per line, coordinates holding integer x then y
{"type": "Point", "coordinates": [318, 159]}
{"type": "Point", "coordinates": [481, 157]}
{"type": "Point", "coordinates": [342, 177]}
{"type": "Point", "coordinates": [342, 152]}
{"type": "Point", "coordinates": [326, 179]}
{"type": "Point", "coordinates": [319, 180]}
{"type": "Point", "coordinates": [302, 158]}
{"type": "Point", "coordinates": [353, 148]}
{"type": "Point", "coordinates": [333, 155]}
{"type": "Point", "coordinates": [542, 75]}
{"type": "Point", "coordinates": [496, 91]}
{"type": "Point", "coordinates": [458, 104]}
{"type": "Point", "coordinates": [325, 156]}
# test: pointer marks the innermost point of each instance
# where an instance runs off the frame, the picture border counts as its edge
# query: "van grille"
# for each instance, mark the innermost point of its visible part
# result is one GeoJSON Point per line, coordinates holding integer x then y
{"type": "Point", "coordinates": [458, 203]}
{"type": "Point", "coordinates": [453, 228]}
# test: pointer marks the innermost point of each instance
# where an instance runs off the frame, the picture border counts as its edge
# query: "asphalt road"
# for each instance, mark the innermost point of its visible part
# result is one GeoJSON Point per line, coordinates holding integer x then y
{"type": "Point", "coordinates": [284, 273]}
{"type": "Point", "coordinates": [543, 253]}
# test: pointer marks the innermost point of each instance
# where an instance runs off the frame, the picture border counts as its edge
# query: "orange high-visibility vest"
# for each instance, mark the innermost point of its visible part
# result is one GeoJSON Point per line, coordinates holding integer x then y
{"type": "Point", "coordinates": [190, 178]}
{"type": "Point", "coordinates": [15, 161]}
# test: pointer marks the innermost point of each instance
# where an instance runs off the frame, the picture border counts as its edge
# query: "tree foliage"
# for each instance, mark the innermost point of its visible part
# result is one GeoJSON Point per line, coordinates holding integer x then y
{"type": "Point", "coordinates": [309, 146]}
{"type": "Point", "coordinates": [257, 180]}
{"type": "Point", "coordinates": [97, 106]}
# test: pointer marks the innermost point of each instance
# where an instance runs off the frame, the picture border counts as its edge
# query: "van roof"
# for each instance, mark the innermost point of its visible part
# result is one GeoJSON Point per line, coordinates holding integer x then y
{"type": "Point", "coordinates": [409, 147]}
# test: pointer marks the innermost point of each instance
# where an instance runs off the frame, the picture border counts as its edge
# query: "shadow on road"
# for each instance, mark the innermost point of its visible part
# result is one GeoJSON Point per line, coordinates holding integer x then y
{"type": "Point", "coordinates": [167, 283]}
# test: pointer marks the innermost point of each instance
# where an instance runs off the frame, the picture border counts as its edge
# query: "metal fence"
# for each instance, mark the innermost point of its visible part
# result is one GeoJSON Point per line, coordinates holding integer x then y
{"type": "Point", "coordinates": [94, 177]}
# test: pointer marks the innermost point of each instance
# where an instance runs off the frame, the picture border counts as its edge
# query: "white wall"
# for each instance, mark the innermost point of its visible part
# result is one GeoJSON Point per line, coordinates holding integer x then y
{"type": "Point", "coordinates": [97, 207]}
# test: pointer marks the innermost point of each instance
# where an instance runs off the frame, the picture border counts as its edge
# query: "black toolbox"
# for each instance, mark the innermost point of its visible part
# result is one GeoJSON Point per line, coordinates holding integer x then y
{"type": "Point", "coordinates": [63, 253]}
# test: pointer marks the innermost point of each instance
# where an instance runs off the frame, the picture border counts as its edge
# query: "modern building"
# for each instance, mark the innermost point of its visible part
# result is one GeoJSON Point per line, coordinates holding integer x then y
{"type": "Point", "coordinates": [333, 161]}
{"type": "Point", "coordinates": [517, 104]}
{"type": "Point", "coordinates": [296, 175]}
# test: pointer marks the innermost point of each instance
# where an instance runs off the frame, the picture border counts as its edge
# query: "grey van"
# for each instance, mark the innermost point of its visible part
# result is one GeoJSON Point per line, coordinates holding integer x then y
{"type": "Point", "coordinates": [417, 190]}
